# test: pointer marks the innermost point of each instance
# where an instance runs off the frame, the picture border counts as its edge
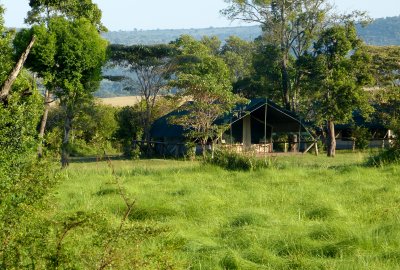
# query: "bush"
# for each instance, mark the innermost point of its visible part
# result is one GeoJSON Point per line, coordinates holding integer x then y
{"type": "Point", "coordinates": [236, 162]}
{"type": "Point", "coordinates": [129, 128]}
{"type": "Point", "coordinates": [388, 156]}
{"type": "Point", "coordinates": [93, 131]}
{"type": "Point", "coordinates": [385, 157]}
{"type": "Point", "coordinates": [25, 182]}
{"type": "Point", "coordinates": [361, 136]}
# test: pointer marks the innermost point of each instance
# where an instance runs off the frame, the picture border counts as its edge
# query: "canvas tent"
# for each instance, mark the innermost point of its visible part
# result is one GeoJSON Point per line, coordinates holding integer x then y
{"type": "Point", "coordinates": [253, 124]}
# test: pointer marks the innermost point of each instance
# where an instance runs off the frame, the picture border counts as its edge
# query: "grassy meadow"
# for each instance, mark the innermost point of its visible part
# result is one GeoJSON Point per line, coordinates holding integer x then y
{"type": "Point", "coordinates": [304, 212]}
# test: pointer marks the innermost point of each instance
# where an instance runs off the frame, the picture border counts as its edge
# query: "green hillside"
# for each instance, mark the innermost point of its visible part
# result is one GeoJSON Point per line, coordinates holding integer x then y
{"type": "Point", "coordinates": [382, 32]}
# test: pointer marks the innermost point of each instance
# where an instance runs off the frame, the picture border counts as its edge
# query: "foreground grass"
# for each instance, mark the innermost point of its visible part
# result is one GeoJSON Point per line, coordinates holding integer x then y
{"type": "Point", "coordinates": [304, 213]}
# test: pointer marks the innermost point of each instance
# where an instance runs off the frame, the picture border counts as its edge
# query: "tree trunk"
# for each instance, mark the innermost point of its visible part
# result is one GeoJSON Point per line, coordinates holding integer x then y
{"type": "Point", "coordinates": [204, 148]}
{"type": "Point", "coordinates": [331, 139]}
{"type": "Point", "coordinates": [285, 83]}
{"type": "Point", "coordinates": [65, 142]}
{"type": "Point", "coordinates": [6, 87]}
{"type": "Point", "coordinates": [43, 123]}
{"type": "Point", "coordinates": [285, 57]}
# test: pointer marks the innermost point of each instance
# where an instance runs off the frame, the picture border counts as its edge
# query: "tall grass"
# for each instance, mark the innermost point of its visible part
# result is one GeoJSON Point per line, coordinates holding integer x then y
{"type": "Point", "coordinates": [304, 212]}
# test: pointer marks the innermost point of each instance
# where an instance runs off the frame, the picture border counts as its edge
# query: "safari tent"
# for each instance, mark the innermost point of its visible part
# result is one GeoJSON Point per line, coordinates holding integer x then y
{"type": "Point", "coordinates": [260, 126]}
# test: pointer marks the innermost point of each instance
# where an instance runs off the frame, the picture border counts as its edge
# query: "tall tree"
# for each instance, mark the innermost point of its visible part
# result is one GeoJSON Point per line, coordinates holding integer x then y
{"type": "Point", "coordinates": [69, 57]}
{"type": "Point", "coordinates": [336, 71]}
{"type": "Point", "coordinates": [290, 25]}
{"type": "Point", "coordinates": [41, 60]}
{"type": "Point", "coordinates": [152, 65]}
{"type": "Point", "coordinates": [205, 79]}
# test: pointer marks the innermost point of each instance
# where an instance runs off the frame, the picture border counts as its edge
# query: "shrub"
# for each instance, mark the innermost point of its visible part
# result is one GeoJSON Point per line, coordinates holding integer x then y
{"type": "Point", "coordinates": [25, 182]}
{"type": "Point", "coordinates": [93, 130]}
{"type": "Point", "coordinates": [236, 162]}
{"type": "Point", "coordinates": [385, 157]}
{"type": "Point", "coordinates": [361, 136]}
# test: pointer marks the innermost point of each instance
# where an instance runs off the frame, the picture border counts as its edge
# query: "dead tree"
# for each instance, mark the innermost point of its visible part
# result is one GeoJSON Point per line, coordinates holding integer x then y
{"type": "Point", "coordinates": [6, 87]}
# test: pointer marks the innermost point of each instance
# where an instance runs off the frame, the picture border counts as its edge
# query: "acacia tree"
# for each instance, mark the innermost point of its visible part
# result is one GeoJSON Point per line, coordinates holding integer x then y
{"type": "Point", "coordinates": [152, 66]}
{"type": "Point", "coordinates": [336, 71]}
{"type": "Point", "coordinates": [205, 79]}
{"type": "Point", "coordinates": [290, 26]}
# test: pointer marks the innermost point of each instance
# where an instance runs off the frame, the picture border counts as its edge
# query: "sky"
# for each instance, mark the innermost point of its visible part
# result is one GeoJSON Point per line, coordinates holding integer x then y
{"type": "Point", "coordinates": [178, 14]}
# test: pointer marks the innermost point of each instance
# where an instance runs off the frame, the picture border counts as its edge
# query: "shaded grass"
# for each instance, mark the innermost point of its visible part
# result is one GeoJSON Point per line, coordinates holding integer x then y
{"type": "Point", "coordinates": [305, 212]}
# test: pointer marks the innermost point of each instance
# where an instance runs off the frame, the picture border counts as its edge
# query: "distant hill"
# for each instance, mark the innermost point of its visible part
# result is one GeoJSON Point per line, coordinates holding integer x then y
{"type": "Point", "coordinates": [165, 36]}
{"type": "Point", "coordinates": [383, 31]}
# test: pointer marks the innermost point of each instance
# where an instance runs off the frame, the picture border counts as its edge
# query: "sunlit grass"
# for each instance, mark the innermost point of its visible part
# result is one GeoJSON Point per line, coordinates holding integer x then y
{"type": "Point", "coordinates": [305, 212]}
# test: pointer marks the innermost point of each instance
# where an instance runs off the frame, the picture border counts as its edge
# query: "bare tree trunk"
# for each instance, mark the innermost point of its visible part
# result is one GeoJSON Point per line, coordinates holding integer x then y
{"type": "Point", "coordinates": [285, 84]}
{"type": "Point", "coordinates": [6, 87]}
{"type": "Point", "coordinates": [204, 148]}
{"type": "Point", "coordinates": [285, 58]}
{"type": "Point", "coordinates": [43, 123]}
{"type": "Point", "coordinates": [331, 139]}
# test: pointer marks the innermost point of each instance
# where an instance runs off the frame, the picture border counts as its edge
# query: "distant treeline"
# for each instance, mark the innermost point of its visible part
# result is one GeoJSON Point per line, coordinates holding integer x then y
{"type": "Point", "coordinates": [148, 37]}
{"type": "Point", "coordinates": [383, 31]}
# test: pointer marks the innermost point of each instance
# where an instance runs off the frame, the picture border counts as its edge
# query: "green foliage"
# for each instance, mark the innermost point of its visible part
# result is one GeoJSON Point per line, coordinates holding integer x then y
{"type": "Point", "coordinates": [205, 79]}
{"type": "Point", "coordinates": [334, 77]}
{"type": "Point", "coordinates": [130, 122]}
{"type": "Point", "coordinates": [392, 154]}
{"type": "Point", "coordinates": [238, 56]}
{"type": "Point", "coordinates": [385, 157]}
{"type": "Point", "coordinates": [290, 27]}
{"type": "Point", "coordinates": [42, 10]}
{"type": "Point", "coordinates": [266, 79]}
{"type": "Point", "coordinates": [129, 128]}
{"type": "Point", "coordinates": [25, 181]}
{"type": "Point", "coordinates": [236, 162]}
{"type": "Point", "coordinates": [152, 66]}
{"type": "Point", "coordinates": [93, 133]}
{"type": "Point", "coordinates": [362, 137]}
{"type": "Point", "coordinates": [69, 55]}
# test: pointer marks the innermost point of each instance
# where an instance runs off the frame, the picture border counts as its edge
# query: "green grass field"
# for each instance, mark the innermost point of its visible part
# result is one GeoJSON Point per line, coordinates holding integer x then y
{"type": "Point", "coordinates": [305, 212]}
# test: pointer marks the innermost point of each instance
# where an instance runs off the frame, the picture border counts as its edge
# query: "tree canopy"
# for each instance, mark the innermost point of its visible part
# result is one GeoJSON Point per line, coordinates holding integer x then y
{"type": "Point", "coordinates": [152, 65]}
{"type": "Point", "coordinates": [290, 26]}
{"type": "Point", "coordinates": [205, 79]}
{"type": "Point", "coordinates": [336, 73]}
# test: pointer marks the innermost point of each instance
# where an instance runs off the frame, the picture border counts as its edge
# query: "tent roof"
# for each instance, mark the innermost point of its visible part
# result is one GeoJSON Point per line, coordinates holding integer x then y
{"type": "Point", "coordinates": [280, 119]}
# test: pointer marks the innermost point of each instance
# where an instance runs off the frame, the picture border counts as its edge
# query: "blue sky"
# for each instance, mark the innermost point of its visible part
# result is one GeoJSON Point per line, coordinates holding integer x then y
{"type": "Point", "coordinates": [173, 14]}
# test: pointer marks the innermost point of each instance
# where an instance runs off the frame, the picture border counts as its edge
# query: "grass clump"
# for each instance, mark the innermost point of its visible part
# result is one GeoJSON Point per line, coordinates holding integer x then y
{"type": "Point", "coordinates": [230, 262]}
{"type": "Point", "coordinates": [236, 162]}
{"type": "Point", "coordinates": [385, 157]}
{"type": "Point", "coordinates": [320, 213]}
